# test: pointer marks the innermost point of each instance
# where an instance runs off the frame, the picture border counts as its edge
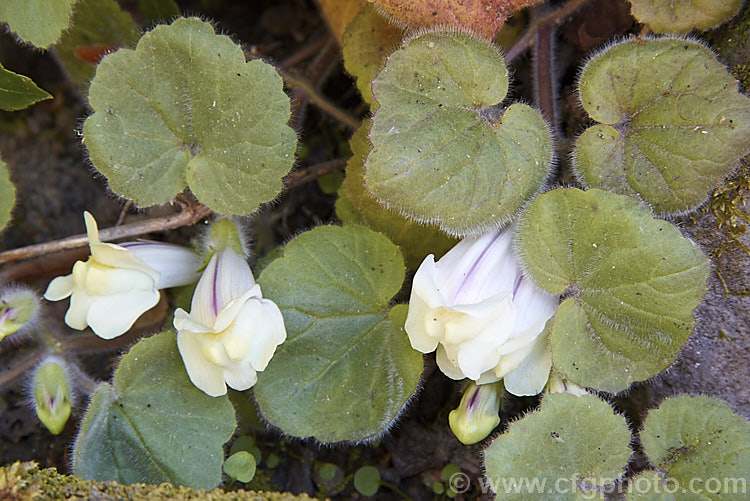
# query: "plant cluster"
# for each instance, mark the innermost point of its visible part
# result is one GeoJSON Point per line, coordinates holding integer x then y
{"type": "Point", "coordinates": [526, 279]}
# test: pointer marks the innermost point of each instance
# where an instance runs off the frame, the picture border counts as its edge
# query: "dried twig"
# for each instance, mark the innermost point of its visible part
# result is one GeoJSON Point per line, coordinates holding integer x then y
{"type": "Point", "coordinates": [191, 213]}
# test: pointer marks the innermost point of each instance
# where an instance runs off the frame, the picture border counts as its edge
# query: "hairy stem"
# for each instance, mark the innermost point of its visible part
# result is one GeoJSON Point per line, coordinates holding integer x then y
{"type": "Point", "coordinates": [555, 17]}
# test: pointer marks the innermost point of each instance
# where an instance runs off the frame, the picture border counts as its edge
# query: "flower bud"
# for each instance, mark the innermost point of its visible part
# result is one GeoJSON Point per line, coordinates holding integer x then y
{"type": "Point", "coordinates": [52, 395]}
{"type": "Point", "coordinates": [477, 414]}
{"type": "Point", "coordinates": [18, 308]}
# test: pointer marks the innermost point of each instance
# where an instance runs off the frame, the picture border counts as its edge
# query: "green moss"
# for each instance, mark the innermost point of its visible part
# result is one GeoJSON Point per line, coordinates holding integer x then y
{"type": "Point", "coordinates": [26, 481]}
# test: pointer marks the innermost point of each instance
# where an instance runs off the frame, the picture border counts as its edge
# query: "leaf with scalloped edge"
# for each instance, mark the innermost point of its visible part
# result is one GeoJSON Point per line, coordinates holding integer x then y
{"type": "Point", "coordinates": [632, 283]}
{"type": "Point", "coordinates": [444, 151]}
{"type": "Point", "coordinates": [18, 91]}
{"type": "Point", "coordinates": [353, 367]}
{"type": "Point", "coordinates": [98, 25]}
{"type": "Point", "coordinates": [185, 109]}
{"type": "Point", "coordinates": [672, 122]}
{"type": "Point", "coordinates": [699, 442]}
{"type": "Point", "coordinates": [483, 17]}
{"type": "Point", "coordinates": [682, 16]}
{"type": "Point", "coordinates": [572, 446]}
{"type": "Point", "coordinates": [416, 240]}
{"type": "Point", "coordinates": [7, 195]}
{"type": "Point", "coordinates": [368, 40]}
{"type": "Point", "coordinates": [38, 22]}
{"type": "Point", "coordinates": [152, 425]}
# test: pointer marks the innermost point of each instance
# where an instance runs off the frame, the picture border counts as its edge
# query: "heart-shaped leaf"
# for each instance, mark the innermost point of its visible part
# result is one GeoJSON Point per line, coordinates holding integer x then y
{"type": "Point", "coordinates": [7, 195]}
{"type": "Point", "coordinates": [346, 369]}
{"type": "Point", "coordinates": [18, 91]}
{"type": "Point", "coordinates": [185, 109]}
{"type": "Point", "coordinates": [152, 425]}
{"type": "Point", "coordinates": [573, 446]}
{"type": "Point", "coordinates": [673, 124]}
{"type": "Point", "coordinates": [416, 240]}
{"type": "Point", "coordinates": [682, 16]}
{"type": "Point", "coordinates": [443, 149]}
{"type": "Point", "coordinates": [632, 283]}
{"type": "Point", "coordinates": [700, 445]}
{"type": "Point", "coordinates": [38, 22]}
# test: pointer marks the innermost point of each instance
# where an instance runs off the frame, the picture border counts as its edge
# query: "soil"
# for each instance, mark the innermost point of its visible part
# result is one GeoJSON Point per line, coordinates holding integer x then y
{"type": "Point", "coordinates": [55, 184]}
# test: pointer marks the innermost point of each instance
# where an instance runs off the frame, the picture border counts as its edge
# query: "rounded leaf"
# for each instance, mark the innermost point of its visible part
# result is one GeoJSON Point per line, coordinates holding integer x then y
{"type": "Point", "coordinates": [240, 466]}
{"type": "Point", "coordinates": [7, 195]}
{"type": "Point", "coordinates": [152, 424]}
{"type": "Point", "coordinates": [571, 447]}
{"type": "Point", "coordinates": [346, 369]}
{"type": "Point", "coordinates": [367, 480]}
{"type": "Point", "coordinates": [185, 109]}
{"type": "Point", "coordinates": [444, 151]}
{"type": "Point", "coordinates": [682, 16]}
{"type": "Point", "coordinates": [632, 283]}
{"type": "Point", "coordinates": [38, 22]}
{"type": "Point", "coordinates": [673, 123]}
{"type": "Point", "coordinates": [416, 240]}
{"type": "Point", "coordinates": [701, 445]}
{"type": "Point", "coordinates": [650, 486]}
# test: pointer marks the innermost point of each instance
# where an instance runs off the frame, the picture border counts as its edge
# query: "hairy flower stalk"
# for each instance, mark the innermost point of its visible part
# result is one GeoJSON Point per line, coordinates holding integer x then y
{"type": "Point", "coordinates": [484, 318]}
{"type": "Point", "coordinates": [231, 332]}
{"type": "Point", "coordinates": [118, 283]}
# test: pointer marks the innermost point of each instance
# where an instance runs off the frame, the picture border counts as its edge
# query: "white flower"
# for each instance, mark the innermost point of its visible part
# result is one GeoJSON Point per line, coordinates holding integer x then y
{"type": "Point", "coordinates": [118, 283]}
{"type": "Point", "coordinates": [482, 315]}
{"type": "Point", "coordinates": [231, 331]}
{"type": "Point", "coordinates": [477, 414]}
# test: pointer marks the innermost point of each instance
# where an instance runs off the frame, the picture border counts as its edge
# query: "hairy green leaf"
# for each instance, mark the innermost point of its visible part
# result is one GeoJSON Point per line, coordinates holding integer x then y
{"type": "Point", "coordinates": [444, 150]}
{"type": "Point", "coordinates": [38, 22]}
{"type": "Point", "coordinates": [97, 26]}
{"type": "Point", "coordinates": [18, 91]}
{"type": "Point", "coordinates": [673, 124]}
{"type": "Point", "coordinates": [7, 195]}
{"type": "Point", "coordinates": [357, 206]}
{"type": "Point", "coordinates": [568, 448]}
{"type": "Point", "coordinates": [632, 283]}
{"type": "Point", "coordinates": [682, 16]}
{"type": "Point", "coordinates": [346, 369]}
{"type": "Point", "coordinates": [185, 109]}
{"type": "Point", "coordinates": [152, 425]}
{"type": "Point", "coordinates": [366, 43]}
{"type": "Point", "coordinates": [651, 486]}
{"type": "Point", "coordinates": [700, 444]}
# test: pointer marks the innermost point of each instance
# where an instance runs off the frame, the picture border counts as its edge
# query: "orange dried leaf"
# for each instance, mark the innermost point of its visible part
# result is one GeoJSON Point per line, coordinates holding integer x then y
{"type": "Point", "coordinates": [482, 17]}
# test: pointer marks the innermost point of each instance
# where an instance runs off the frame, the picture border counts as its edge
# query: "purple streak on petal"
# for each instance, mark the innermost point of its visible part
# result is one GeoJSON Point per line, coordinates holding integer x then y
{"type": "Point", "coordinates": [475, 264]}
{"type": "Point", "coordinates": [517, 285]}
{"type": "Point", "coordinates": [215, 287]}
{"type": "Point", "coordinates": [473, 399]}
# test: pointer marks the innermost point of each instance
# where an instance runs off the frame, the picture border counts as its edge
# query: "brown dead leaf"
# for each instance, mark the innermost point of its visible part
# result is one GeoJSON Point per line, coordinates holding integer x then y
{"type": "Point", "coordinates": [482, 17]}
{"type": "Point", "coordinates": [339, 13]}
